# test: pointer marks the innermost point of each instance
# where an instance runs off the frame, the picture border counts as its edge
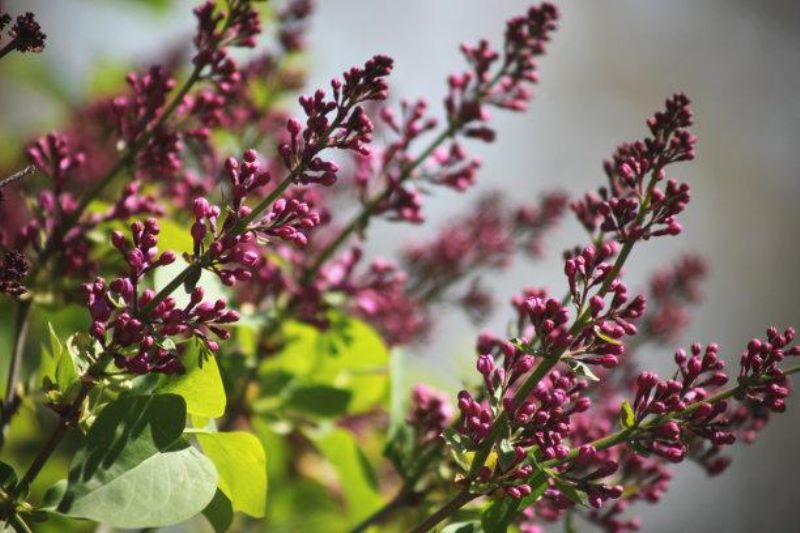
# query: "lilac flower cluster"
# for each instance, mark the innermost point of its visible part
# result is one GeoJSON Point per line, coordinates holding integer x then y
{"type": "Point", "coordinates": [671, 289]}
{"type": "Point", "coordinates": [26, 34]}
{"type": "Point", "coordinates": [339, 122]}
{"type": "Point", "coordinates": [631, 207]}
{"type": "Point", "coordinates": [537, 408]}
{"type": "Point", "coordinates": [56, 156]}
{"type": "Point", "coordinates": [490, 82]}
{"type": "Point", "coordinates": [429, 413]}
{"type": "Point", "coordinates": [486, 237]}
{"type": "Point", "coordinates": [140, 335]}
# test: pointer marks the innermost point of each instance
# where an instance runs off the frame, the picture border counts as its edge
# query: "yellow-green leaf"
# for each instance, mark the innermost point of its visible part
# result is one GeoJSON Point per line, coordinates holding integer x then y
{"type": "Point", "coordinates": [201, 385]}
{"type": "Point", "coordinates": [242, 467]}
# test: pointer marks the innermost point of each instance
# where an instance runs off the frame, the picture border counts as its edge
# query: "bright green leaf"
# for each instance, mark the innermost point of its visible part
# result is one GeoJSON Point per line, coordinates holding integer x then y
{"type": "Point", "coordinates": [242, 467]}
{"type": "Point", "coordinates": [201, 385]}
{"type": "Point", "coordinates": [354, 471]}
{"type": "Point", "coordinates": [626, 415]}
{"type": "Point", "coordinates": [349, 355]}
{"type": "Point", "coordinates": [134, 469]}
{"type": "Point", "coordinates": [57, 368]}
{"type": "Point", "coordinates": [212, 287]}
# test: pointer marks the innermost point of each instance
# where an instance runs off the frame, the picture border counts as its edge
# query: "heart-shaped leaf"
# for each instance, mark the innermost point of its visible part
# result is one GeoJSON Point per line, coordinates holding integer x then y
{"type": "Point", "coordinates": [134, 469]}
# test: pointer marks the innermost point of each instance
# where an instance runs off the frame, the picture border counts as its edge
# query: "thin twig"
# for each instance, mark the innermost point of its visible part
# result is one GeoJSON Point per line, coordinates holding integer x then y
{"type": "Point", "coordinates": [459, 501]}
{"type": "Point", "coordinates": [10, 402]}
{"type": "Point", "coordinates": [30, 169]}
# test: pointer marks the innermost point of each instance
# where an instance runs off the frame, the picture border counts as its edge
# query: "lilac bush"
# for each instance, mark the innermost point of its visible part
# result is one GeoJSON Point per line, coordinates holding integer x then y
{"type": "Point", "coordinates": [193, 314]}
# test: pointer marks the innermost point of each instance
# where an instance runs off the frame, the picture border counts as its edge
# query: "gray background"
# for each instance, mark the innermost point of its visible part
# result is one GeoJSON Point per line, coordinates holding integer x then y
{"type": "Point", "coordinates": [610, 66]}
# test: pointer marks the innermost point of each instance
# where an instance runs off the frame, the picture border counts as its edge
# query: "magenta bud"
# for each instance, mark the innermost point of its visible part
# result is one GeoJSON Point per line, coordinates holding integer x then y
{"type": "Point", "coordinates": [167, 258]}
{"type": "Point", "coordinates": [485, 365]}
{"type": "Point", "coordinates": [250, 155]}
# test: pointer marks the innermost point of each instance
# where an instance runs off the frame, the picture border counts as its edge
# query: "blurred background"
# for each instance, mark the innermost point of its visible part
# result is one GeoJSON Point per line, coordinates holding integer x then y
{"type": "Point", "coordinates": [609, 67]}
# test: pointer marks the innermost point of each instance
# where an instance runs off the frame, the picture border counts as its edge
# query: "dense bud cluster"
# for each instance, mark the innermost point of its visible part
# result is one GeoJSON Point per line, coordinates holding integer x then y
{"type": "Point", "coordinates": [559, 414]}
{"type": "Point", "coordinates": [139, 332]}
{"type": "Point", "coordinates": [632, 207]}
{"type": "Point", "coordinates": [429, 413]}
{"type": "Point", "coordinates": [54, 156]}
{"type": "Point", "coordinates": [25, 33]}
{"type": "Point", "coordinates": [338, 122]}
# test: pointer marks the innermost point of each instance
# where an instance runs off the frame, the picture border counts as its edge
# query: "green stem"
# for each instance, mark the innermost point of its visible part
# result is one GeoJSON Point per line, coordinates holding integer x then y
{"type": "Point", "coordinates": [65, 420]}
{"type": "Point", "coordinates": [459, 501]}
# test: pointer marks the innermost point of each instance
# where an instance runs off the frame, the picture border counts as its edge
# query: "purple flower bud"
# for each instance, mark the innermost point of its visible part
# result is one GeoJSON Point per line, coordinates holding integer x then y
{"type": "Point", "coordinates": [485, 365]}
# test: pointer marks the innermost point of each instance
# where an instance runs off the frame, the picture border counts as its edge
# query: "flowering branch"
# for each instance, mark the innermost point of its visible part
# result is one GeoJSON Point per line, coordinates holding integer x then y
{"type": "Point", "coordinates": [622, 436]}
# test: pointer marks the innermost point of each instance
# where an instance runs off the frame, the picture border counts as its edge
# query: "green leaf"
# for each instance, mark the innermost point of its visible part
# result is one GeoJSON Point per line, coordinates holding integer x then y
{"type": "Point", "coordinates": [569, 490]}
{"type": "Point", "coordinates": [458, 442]}
{"type": "Point", "coordinates": [201, 385]}
{"type": "Point", "coordinates": [212, 286]}
{"type": "Point", "coordinates": [219, 513]}
{"type": "Point", "coordinates": [606, 338]}
{"type": "Point", "coordinates": [8, 476]}
{"type": "Point", "coordinates": [134, 469]}
{"type": "Point", "coordinates": [173, 236]}
{"type": "Point", "coordinates": [499, 515]}
{"type": "Point", "coordinates": [627, 418]}
{"type": "Point", "coordinates": [349, 355]}
{"type": "Point", "coordinates": [57, 368]}
{"type": "Point", "coordinates": [356, 477]}
{"type": "Point", "coordinates": [398, 393]}
{"type": "Point", "coordinates": [320, 400]}
{"type": "Point", "coordinates": [53, 495]}
{"type": "Point", "coordinates": [507, 455]}
{"type": "Point", "coordinates": [242, 467]}
{"type": "Point", "coordinates": [473, 526]}
{"type": "Point", "coordinates": [582, 369]}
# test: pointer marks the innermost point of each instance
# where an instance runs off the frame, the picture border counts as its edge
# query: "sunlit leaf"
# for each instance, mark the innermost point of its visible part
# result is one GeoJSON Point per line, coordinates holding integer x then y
{"type": "Point", "coordinates": [242, 467]}
{"type": "Point", "coordinates": [201, 385]}
{"type": "Point", "coordinates": [356, 477]}
{"type": "Point", "coordinates": [134, 469]}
